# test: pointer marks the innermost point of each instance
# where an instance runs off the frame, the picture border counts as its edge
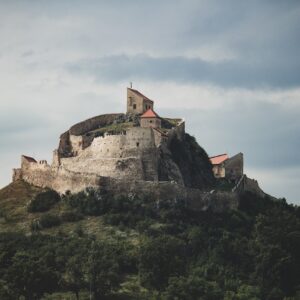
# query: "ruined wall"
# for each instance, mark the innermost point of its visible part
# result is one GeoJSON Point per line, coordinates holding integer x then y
{"type": "Point", "coordinates": [62, 180]}
{"type": "Point", "coordinates": [80, 129]}
{"type": "Point", "coordinates": [132, 154]}
{"type": "Point", "coordinates": [162, 191]}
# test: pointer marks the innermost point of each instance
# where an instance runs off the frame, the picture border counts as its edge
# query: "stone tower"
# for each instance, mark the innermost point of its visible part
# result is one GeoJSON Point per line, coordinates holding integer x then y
{"type": "Point", "coordinates": [150, 119]}
{"type": "Point", "coordinates": [137, 103]}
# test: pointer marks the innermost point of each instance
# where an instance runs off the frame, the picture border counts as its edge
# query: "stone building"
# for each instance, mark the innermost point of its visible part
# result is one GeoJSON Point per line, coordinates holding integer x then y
{"type": "Point", "coordinates": [138, 103]}
{"type": "Point", "coordinates": [218, 163]}
{"type": "Point", "coordinates": [110, 147]}
{"type": "Point", "coordinates": [231, 168]}
{"type": "Point", "coordinates": [136, 152]}
{"type": "Point", "coordinates": [150, 119]}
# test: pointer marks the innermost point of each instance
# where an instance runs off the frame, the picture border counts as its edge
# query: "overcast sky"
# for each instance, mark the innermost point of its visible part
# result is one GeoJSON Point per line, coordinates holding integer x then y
{"type": "Point", "coordinates": [230, 68]}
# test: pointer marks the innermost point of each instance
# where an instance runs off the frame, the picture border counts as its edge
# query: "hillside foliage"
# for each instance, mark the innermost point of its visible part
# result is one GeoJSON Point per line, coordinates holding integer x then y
{"type": "Point", "coordinates": [155, 250]}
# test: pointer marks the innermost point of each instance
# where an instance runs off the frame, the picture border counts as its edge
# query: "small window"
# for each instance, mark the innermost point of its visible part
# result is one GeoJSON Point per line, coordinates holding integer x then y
{"type": "Point", "coordinates": [137, 144]}
{"type": "Point", "coordinates": [151, 121]}
{"type": "Point", "coordinates": [134, 106]}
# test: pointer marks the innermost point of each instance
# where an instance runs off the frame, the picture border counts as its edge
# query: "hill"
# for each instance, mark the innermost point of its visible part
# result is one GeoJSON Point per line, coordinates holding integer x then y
{"type": "Point", "coordinates": [128, 247]}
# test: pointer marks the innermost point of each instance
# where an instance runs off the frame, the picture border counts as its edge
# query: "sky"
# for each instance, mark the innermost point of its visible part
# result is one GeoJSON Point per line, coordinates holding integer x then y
{"type": "Point", "coordinates": [230, 68]}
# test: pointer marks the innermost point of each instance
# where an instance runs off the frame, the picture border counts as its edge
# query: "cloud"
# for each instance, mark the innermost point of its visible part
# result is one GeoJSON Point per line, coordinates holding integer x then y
{"type": "Point", "coordinates": [193, 70]}
{"type": "Point", "coordinates": [231, 70]}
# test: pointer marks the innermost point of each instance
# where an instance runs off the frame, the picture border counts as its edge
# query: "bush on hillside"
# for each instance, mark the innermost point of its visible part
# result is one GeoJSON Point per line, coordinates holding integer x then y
{"type": "Point", "coordinates": [43, 201]}
{"type": "Point", "coordinates": [71, 216]}
{"type": "Point", "coordinates": [45, 221]}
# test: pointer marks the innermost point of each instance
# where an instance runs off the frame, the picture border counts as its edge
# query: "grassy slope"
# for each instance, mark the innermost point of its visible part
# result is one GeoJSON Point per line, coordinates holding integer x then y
{"type": "Point", "coordinates": [13, 201]}
{"type": "Point", "coordinates": [14, 216]}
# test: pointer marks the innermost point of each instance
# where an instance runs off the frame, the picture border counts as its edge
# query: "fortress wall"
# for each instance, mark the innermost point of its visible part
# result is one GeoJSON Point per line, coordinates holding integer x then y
{"type": "Point", "coordinates": [116, 146]}
{"type": "Point", "coordinates": [63, 180]}
{"type": "Point", "coordinates": [159, 138]}
{"type": "Point", "coordinates": [132, 154]}
{"type": "Point", "coordinates": [93, 123]}
{"type": "Point", "coordinates": [76, 143]}
{"type": "Point", "coordinates": [108, 146]}
{"type": "Point", "coordinates": [60, 179]}
{"type": "Point", "coordinates": [163, 191]}
{"type": "Point", "coordinates": [143, 136]}
{"type": "Point", "coordinates": [112, 167]}
{"type": "Point", "coordinates": [234, 167]}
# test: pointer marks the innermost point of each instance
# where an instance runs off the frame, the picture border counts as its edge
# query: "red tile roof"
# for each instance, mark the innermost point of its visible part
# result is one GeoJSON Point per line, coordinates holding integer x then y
{"type": "Point", "coordinates": [140, 94]}
{"type": "Point", "coordinates": [30, 159]}
{"type": "Point", "coordinates": [150, 114]}
{"type": "Point", "coordinates": [218, 159]}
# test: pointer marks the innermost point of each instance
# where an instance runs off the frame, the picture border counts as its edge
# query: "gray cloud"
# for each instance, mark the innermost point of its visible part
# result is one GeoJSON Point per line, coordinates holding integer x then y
{"type": "Point", "coordinates": [181, 69]}
{"type": "Point", "coordinates": [64, 61]}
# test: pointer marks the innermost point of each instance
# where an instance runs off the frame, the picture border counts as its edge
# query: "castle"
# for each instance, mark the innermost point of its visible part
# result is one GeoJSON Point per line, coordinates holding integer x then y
{"type": "Point", "coordinates": [137, 151]}
{"type": "Point", "coordinates": [114, 146]}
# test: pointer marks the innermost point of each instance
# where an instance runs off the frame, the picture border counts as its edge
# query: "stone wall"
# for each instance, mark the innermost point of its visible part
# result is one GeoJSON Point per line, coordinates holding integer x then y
{"type": "Point", "coordinates": [65, 148]}
{"type": "Point", "coordinates": [132, 154]}
{"type": "Point", "coordinates": [151, 122]}
{"type": "Point", "coordinates": [234, 167]}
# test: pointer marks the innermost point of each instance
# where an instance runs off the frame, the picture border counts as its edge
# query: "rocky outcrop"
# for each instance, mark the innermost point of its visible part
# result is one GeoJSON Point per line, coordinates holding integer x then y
{"type": "Point", "coordinates": [193, 163]}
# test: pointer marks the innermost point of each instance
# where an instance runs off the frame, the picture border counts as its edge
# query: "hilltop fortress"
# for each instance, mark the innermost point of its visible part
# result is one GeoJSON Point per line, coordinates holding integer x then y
{"type": "Point", "coordinates": [138, 151]}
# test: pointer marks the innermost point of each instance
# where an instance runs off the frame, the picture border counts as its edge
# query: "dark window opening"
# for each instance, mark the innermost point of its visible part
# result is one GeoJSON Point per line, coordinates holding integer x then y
{"type": "Point", "coordinates": [137, 144]}
{"type": "Point", "coordinates": [151, 121]}
{"type": "Point", "coordinates": [134, 106]}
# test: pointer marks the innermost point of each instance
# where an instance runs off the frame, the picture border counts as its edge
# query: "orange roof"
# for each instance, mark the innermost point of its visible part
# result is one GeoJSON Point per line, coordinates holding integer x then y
{"type": "Point", "coordinates": [140, 94]}
{"type": "Point", "coordinates": [218, 159]}
{"type": "Point", "coordinates": [150, 114]}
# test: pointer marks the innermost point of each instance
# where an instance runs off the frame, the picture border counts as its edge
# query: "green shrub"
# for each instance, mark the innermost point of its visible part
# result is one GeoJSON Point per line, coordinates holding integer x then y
{"type": "Point", "coordinates": [49, 220]}
{"type": "Point", "coordinates": [71, 216]}
{"type": "Point", "coordinates": [45, 221]}
{"type": "Point", "coordinates": [43, 201]}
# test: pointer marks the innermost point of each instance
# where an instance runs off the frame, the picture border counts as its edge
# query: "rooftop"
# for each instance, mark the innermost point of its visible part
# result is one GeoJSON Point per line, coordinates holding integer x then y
{"type": "Point", "coordinates": [218, 159]}
{"type": "Point", "coordinates": [30, 159]}
{"type": "Point", "coordinates": [150, 114]}
{"type": "Point", "coordinates": [140, 94]}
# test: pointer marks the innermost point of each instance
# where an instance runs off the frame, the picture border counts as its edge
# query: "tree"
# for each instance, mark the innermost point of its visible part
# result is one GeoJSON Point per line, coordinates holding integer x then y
{"type": "Point", "coordinates": [74, 276]}
{"type": "Point", "coordinates": [192, 288]}
{"type": "Point", "coordinates": [161, 258]}
{"type": "Point", "coordinates": [30, 276]}
{"type": "Point", "coordinates": [103, 269]}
